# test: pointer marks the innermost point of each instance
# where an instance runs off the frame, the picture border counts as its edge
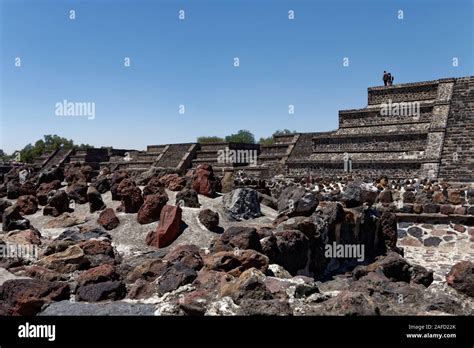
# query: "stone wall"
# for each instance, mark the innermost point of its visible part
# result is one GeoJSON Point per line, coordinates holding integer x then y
{"type": "Point", "coordinates": [276, 149]}
{"type": "Point", "coordinates": [367, 169]}
{"type": "Point", "coordinates": [304, 146]}
{"type": "Point", "coordinates": [457, 159]}
{"type": "Point", "coordinates": [438, 140]}
{"type": "Point", "coordinates": [385, 129]}
{"type": "Point", "coordinates": [173, 155]}
{"type": "Point", "coordinates": [395, 156]}
{"type": "Point", "coordinates": [283, 139]}
{"type": "Point", "coordinates": [403, 93]}
{"type": "Point", "coordinates": [368, 117]}
{"type": "Point", "coordinates": [391, 142]}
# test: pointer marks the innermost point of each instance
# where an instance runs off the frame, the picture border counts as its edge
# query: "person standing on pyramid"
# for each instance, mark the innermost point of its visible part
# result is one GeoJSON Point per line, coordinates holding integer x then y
{"type": "Point", "coordinates": [385, 78]}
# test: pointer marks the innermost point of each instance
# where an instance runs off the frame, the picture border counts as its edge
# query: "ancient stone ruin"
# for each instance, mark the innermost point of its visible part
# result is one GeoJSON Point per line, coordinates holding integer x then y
{"type": "Point", "coordinates": [374, 218]}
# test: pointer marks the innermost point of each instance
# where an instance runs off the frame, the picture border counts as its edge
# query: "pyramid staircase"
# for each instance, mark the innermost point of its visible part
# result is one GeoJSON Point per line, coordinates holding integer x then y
{"type": "Point", "coordinates": [279, 151]}
{"type": "Point", "coordinates": [399, 145]}
{"type": "Point", "coordinates": [216, 155]}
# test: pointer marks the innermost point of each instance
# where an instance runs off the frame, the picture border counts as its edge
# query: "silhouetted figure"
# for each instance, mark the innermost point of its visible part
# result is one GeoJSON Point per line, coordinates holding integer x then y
{"type": "Point", "coordinates": [385, 78]}
{"type": "Point", "coordinates": [391, 80]}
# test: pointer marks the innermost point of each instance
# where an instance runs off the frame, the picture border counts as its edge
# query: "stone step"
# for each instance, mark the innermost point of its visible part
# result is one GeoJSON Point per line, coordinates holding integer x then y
{"type": "Point", "coordinates": [173, 155]}
{"type": "Point", "coordinates": [381, 142]}
{"type": "Point", "coordinates": [374, 116]}
{"type": "Point", "coordinates": [155, 148]}
{"type": "Point", "coordinates": [435, 218]}
{"type": "Point", "coordinates": [427, 90]}
{"type": "Point", "coordinates": [57, 158]}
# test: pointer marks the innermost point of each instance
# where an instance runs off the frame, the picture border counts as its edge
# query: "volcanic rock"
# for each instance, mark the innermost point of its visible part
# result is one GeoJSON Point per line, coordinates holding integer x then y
{"type": "Point", "coordinates": [27, 296]}
{"type": "Point", "coordinates": [236, 262]}
{"type": "Point", "coordinates": [77, 191]}
{"type": "Point", "coordinates": [95, 200]}
{"type": "Point", "coordinates": [461, 277]}
{"type": "Point", "coordinates": [4, 204]}
{"type": "Point", "coordinates": [108, 219]}
{"type": "Point", "coordinates": [187, 198]}
{"type": "Point", "coordinates": [150, 211]}
{"type": "Point", "coordinates": [44, 189]}
{"type": "Point", "coordinates": [102, 184]}
{"type": "Point", "coordinates": [13, 189]}
{"type": "Point", "coordinates": [12, 219]}
{"type": "Point", "coordinates": [70, 260]}
{"type": "Point", "coordinates": [297, 202]}
{"type": "Point", "coordinates": [28, 188]}
{"type": "Point", "coordinates": [108, 290]}
{"type": "Point", "coordinates": [57, 204]}
{"type": "Point", "coordinates": [357, 192]}
{"type": "Point", "coordinates": [237, 237]}
{"type": "Point", "coordinates": [204, 182]}
{"type": "Point", "coordinates": [249, 285]}
{"type": "Point", "coordinates": [28, 204]}
{"type": "Point", "coordinates": [242, 203]}
{"type": "Point", "coordinates": [175, 276]}
{"type": "Point", "coordinates": [168, 228]}
{"type": "Point", "coordinates": [131, 196]}
{"type": "Point", "coordinates": [173, 182]}
{"type": "Point", "coordinates": [209, 218]}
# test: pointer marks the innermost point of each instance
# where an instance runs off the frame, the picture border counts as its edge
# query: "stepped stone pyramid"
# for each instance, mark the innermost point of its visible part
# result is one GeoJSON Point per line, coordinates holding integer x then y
{"type": "Point", "coordinates": [436, 142]}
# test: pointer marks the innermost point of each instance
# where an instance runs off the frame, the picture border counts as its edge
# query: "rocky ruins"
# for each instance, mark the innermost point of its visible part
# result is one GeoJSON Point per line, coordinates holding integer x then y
{"type": "Point", "coordinates": [375, 218]}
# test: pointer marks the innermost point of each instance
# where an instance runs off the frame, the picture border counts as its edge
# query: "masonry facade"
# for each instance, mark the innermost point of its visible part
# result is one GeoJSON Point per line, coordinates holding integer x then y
{"type": "Point", "coordinates": [435, 139]}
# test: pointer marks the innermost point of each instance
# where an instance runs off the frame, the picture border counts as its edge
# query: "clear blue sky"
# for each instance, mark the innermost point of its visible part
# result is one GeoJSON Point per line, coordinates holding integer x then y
{"type": "Point", "coordinates": [190, 62]}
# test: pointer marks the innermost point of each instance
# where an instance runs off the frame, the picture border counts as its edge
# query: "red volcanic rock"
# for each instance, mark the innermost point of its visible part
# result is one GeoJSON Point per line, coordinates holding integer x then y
{"type": "Point", "coordinates": [27, 296]}
{"type": "Point", "coordinates": [44, 189]}
{"type": "Point", "coordinates": [30, 236]}
{"type": "Point", "coordinates": [28, 204]}
{"type": "Point", "coordinates": [38, 272]}
{"type": "Point", "coordinates": [117, 178]}
{"type": "Point", "coordinates": [173, 182]}
{"type": "Point", "coordinates": [461, 277]}
{"type": "Point", "coordinates": [131, 196]}
{"type": "Point", "coordinates": [438, 197]}
{"type": "Point", "coordinates": [234, 263]}
{"type": "Point", "coordinates": [98, 274]}
{"type": "Point", "coordinates": [108, 219]}
{"type": "Point", "coordinates": [203, 178]}
{"type": "Point", "coordinates": [77, 191]}
{"type": "Point", "coordinates": [151, 209]}
{"type": "Point", "coordinates": [57, 204]}
{"type": "Point", "coordinates": [28, 188]}
{"type": "Point", "coordinates": [72, 174]}
{"type": "Point", "coordinates": [454, 197]}
{"type": "Point", "coordinates": [168, 229]}
{"type": "Point", "coordinates": [154, 186]}
{"type": "Point", "coordinates": [97, 247]}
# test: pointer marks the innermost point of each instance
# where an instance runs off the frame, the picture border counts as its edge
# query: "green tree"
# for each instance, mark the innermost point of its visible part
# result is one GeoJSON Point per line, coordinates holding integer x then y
{"type": "Point", "coordinates": [242, 136]}
{"type": "Point", "coordinates": [284, 132]}
{"type": "Point", "coordinates": [49, 143]}
{"type": "Point", "coordinates": [210, 139]}
{"type": "Point", "coordinates": [28, 154]}
{"type": "Point", "coordinates": [54, 142]}
{"type": "Point", "coordinates": [266, 141]}
{"type": "Point", "coordinates": [83, 147]}
{"type": "Point", "coordinates": [270, 140]}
